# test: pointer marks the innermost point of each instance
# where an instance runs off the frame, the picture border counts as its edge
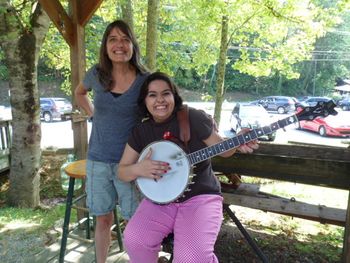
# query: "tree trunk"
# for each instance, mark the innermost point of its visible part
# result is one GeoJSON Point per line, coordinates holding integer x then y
{"type": "Point", "coordinates": [152, 37]}
{"type": "Point", "coordinates": [127, 13]}
{"type": "Point", "coordinates": [21, 45]}
{"type": "Point", "coordinates": [307, 77]}
{"type": "Point", "coordinates": [220, 91]}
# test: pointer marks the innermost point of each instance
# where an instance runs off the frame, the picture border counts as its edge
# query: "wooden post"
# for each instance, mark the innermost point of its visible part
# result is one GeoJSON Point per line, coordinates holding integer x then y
{"type": "Point", "coordinates": [77, 58]}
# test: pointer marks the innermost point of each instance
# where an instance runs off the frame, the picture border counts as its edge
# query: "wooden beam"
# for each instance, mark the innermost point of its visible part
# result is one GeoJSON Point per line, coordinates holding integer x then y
{"type": "Point", "coordinates": [86, 10]}
{"type": "Point", "coordinates": [320, 166]}
{"type": "Point", "coordinates": [285, 206]}
{"type": "Point", "coordinates": [59, 17]}
{"type": "Point", "coordinates": [305, 151]}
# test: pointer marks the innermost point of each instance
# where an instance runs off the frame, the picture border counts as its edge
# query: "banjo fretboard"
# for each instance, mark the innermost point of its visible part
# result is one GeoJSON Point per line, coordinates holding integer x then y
{"type": "Point", "coordinates": [234, 142]}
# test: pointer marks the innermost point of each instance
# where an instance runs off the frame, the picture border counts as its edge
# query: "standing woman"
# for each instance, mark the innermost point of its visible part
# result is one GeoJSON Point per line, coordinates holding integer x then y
{"type": "Point", "coordinates": [115, 82]}
{"type": "Point", "coordinates": [194, 218]}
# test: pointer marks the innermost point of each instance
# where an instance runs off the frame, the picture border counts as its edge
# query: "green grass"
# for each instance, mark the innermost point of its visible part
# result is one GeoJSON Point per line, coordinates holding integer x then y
{"type": "Point", "coordinates": [323, 242]}
{"type": "Point", "coordinates": [32, 220]}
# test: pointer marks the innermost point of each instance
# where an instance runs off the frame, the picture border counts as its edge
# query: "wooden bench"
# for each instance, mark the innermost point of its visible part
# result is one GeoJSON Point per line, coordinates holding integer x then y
{"type": "Point", "coordinates": [317, 165]}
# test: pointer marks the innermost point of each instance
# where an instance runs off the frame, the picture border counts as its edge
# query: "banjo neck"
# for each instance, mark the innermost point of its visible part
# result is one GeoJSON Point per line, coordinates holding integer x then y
{"type": "Point", "coordinates": [321, 109]}
{"type": "Point", "coordinates": [236, 141]}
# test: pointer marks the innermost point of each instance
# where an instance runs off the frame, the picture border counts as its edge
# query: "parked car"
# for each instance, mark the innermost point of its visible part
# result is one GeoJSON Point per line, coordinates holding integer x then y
{"type": "Point", "coordinates": [302, 98]}
{"type": "Point", "coordinates": [54, 108]}
{"type": "Point", "coordinates": [250, 116]}
{"type": "Point", "coordinates": [344, 104]}
{"type": "Point", "coordinates": [281, 104]}
{"type": "Point", "coordinates": [331, 125]}
{"type": "Point", "coordinates": [312, 101]}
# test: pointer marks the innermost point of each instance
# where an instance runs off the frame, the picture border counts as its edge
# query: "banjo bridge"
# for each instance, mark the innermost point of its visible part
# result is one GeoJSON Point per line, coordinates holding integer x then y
{"type": "Point", "coordinates": [177, 156]}
{"type": "Point", "coordinates": [179, 163]}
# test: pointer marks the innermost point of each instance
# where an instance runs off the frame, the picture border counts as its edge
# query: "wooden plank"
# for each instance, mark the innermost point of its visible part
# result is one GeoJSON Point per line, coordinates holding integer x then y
{"type": "Point", "coordinates": [86, 10]}
{"type": "Point", "coordinates": [78, 250]}
{"type": "Point", "coordinates": [321, 152]}
{"type": "Point", "coordinates": [118, 257]}
{"type": "Point", "coordinates": [284, 206]}
{"type": "Point", "coordinates": [275, 162]}
{"type": "Point", "coordinates": [60, 18]}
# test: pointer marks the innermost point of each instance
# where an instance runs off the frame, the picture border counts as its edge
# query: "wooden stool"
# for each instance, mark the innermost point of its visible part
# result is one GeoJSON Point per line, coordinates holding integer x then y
{"type": "Point", "coordinates": [77, 170]}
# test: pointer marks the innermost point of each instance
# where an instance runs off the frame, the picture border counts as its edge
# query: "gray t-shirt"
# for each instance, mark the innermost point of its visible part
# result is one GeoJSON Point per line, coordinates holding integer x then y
{"type": "Point", "coordinates": [114, 118]}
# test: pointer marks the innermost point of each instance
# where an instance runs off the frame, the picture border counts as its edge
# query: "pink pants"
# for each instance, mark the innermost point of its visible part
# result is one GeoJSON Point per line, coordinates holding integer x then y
{"type": "Point", "coordinates": [195, 223]}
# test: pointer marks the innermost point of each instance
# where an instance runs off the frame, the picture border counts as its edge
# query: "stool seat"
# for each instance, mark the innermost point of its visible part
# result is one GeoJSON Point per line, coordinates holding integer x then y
{"type": "Point", "coordinates": [76, 169]}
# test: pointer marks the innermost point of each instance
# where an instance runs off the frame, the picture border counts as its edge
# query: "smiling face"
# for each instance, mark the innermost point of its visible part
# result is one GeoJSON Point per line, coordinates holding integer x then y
{"type": "Point", "coordinates": [160, 100]}
{"type": "Point", "coordinates": [119, 46]}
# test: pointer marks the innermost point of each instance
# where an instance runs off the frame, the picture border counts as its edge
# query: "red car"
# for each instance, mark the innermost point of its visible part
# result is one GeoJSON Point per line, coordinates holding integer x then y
{"type": "Point", "coordinates": [331, 125]}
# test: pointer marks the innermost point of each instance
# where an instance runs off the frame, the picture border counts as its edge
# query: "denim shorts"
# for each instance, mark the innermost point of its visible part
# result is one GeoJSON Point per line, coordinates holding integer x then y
{"type": "Point", "coordinates": [104, 190]}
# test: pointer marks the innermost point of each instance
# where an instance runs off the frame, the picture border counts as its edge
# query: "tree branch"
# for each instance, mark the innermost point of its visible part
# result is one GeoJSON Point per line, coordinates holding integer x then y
{"type": "Point", "coordinates": [40, 23]}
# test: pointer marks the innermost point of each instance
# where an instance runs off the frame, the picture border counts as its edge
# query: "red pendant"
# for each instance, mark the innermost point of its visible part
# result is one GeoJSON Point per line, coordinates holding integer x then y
{"type": "Point", "coordinates": [167, 135]}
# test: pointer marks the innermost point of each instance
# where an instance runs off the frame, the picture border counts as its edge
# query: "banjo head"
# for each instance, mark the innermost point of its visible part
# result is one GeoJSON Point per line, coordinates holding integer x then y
{"type": "Point", "coordinates": [173, 183]}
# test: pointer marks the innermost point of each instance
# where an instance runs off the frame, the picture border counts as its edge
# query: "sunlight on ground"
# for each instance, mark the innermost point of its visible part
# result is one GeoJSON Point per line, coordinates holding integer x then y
{"type": "Point", "coordinates": [308, 193]}
{"type": "Point", "coordinates": [275, 224]}
{"type": "Point", "coordinates": [302, 229]}
{"type": "Point", "coordinates": [17, 225]}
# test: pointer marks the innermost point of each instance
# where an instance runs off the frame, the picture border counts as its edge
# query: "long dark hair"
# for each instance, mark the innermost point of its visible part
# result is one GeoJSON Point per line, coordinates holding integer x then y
{"type": "Point", "coordinates": [105, 64]}
{"type": "Point", "coordinates": [144, 91]}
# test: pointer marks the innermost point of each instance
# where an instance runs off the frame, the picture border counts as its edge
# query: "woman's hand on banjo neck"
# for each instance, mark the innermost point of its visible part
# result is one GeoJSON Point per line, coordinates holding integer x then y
{"type": "Point", "coordinates": [250, 146]}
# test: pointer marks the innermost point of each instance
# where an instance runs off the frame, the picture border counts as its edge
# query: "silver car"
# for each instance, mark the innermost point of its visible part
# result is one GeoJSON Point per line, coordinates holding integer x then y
{"type": "Point", "coordinates": [250, 116]}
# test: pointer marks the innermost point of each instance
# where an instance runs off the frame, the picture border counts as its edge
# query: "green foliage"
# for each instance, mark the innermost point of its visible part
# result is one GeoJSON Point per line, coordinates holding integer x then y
{"type": "Point", "coordinates": [206, 97]}
{"type": "Point", "coordinates": [274, 45]}
{"type": "Point", "coordinates": [188, 79]}
{"type": "Point", "coordinates": [56, 53]}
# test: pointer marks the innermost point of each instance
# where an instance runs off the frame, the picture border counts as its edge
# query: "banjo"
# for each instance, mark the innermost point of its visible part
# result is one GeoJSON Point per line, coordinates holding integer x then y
{"type": "Point", "coordinates": [175, 182]}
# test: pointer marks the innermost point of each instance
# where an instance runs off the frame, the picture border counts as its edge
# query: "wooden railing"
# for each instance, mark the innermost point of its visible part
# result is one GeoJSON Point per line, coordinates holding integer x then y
{"type": "Point", "coordinates": [314, 165]}
{"type": "Point", "coordinates": [5, 143]}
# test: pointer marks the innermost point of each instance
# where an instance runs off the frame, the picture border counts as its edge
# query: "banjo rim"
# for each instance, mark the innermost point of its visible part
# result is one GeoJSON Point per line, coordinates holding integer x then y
{"type": "Point", "coordinates": [188, 173]}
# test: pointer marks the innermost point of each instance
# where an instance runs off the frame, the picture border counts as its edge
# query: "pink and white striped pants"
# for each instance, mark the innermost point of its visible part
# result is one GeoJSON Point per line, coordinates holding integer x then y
{"type": "Point", "coordinates": [195, 223]}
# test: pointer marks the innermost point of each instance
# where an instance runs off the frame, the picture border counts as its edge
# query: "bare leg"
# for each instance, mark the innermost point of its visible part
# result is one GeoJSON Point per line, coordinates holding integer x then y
{"type": "Point", "coordinates": [103, 236]}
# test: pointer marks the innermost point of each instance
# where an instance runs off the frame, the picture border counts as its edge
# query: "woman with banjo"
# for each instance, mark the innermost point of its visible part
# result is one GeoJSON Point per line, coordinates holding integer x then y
{"type": "Point", "coordinates": [180, 197]}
